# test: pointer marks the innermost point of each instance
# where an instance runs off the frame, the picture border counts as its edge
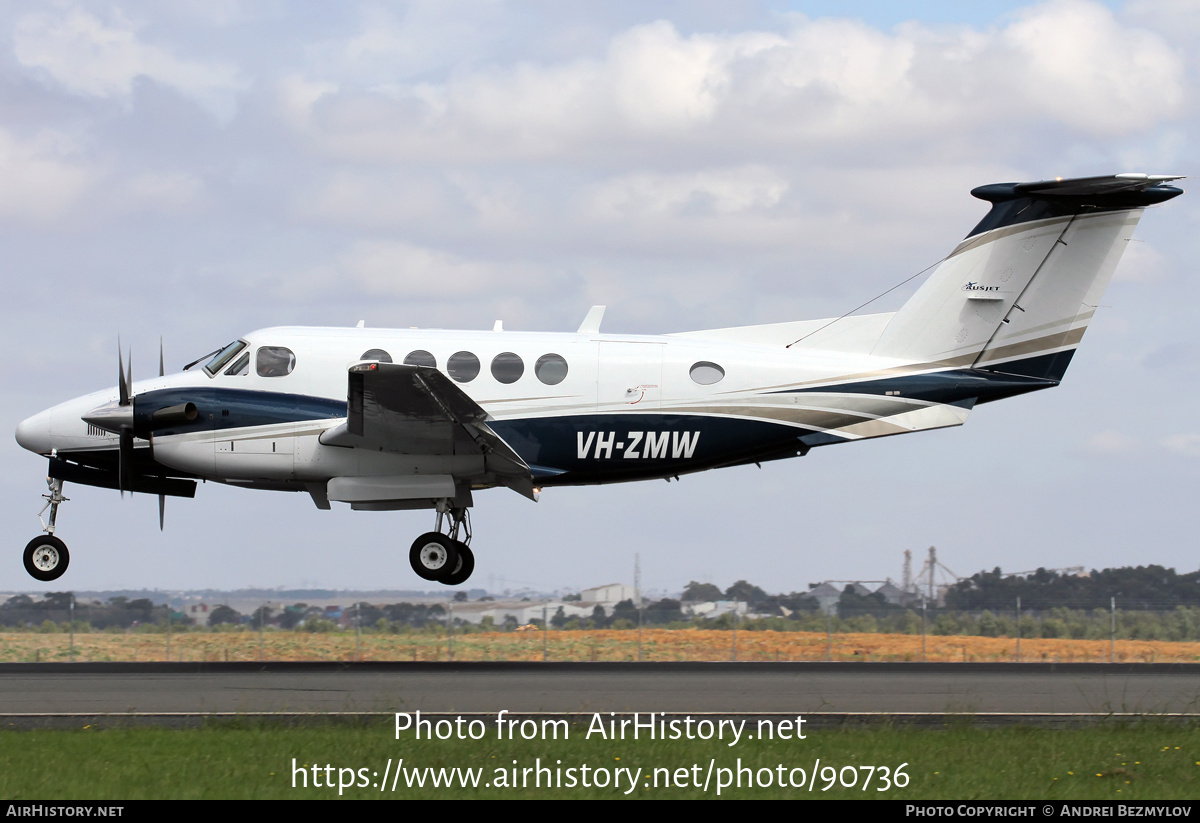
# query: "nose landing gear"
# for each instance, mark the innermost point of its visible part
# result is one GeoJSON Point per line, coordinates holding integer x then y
{"type": "Point", "coordinates": [440, 555]}
{"type": "Point", "coordinates": [46, 557]}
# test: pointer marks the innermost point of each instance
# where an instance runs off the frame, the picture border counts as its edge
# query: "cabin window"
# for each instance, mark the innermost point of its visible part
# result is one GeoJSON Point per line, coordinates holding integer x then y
{"type": "Point", "coordinates": [551, 369]}
{"type": "Point", "coordinates": [420, 357]}
{"type": "Point", "coordinates": [241, 368]}
{"type": "Point", "coordinates": [275, 361]}
{"type": "Point", "coordinates": [507, 367]}
{"type": "Point", "coordinates": [706, 373]}
{"type": "Point", "coordinates": [463, 366]}
{"type": "Point", "coordinates": [223, 356]}
{"type": "Point", "coordinates": [376, 354]}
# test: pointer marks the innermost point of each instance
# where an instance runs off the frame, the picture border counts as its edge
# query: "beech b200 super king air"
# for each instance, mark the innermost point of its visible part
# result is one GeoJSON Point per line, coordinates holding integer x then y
{"type": "Point", "coordinates": [421, 419]}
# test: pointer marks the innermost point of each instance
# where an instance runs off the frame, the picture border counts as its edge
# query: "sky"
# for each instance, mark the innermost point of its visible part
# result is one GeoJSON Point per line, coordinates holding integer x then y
{"type": "Point", "coordinates": [195, 170]}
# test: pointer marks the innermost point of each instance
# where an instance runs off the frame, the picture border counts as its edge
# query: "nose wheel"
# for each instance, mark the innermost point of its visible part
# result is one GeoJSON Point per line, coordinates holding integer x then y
{"type": "Point", "coordinates": [46, 557]}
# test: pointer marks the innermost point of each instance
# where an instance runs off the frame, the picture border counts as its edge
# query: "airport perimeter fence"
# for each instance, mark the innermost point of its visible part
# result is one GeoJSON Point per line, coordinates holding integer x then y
{"type": "Point", "coordinates": [445, 631]}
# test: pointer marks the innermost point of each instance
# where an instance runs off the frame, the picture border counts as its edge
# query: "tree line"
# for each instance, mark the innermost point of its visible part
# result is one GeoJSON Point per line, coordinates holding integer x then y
{"type": "Point", "coordinates": [1153, 603]}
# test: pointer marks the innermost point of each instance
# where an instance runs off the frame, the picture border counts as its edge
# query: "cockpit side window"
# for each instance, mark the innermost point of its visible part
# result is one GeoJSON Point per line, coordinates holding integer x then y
{"type": "Point", "coordinates": [274, 361]}
{"type": "Point", "coordinates": [223, 356]}
{"type": "Point", "coordinates": [241, 367]}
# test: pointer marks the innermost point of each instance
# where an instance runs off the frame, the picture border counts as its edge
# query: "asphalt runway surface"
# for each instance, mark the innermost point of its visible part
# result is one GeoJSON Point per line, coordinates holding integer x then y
{"type": "Point", "coordinates": [167, 692]}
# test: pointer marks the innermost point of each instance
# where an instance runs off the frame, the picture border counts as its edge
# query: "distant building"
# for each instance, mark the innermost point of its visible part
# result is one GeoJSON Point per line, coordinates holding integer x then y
{"type": "Point", "coordinates": [523, 611]}
{"type": "Point", "coordinates": [895, 595]}
{"type": "Point", "coordinates": [827, 596]}
{"type": "Point", "coordinates": [198, 612]}
{"type": "Point", "coordinates": [713, 609]}
{"type": "Point", "coordinates": [613, 593]}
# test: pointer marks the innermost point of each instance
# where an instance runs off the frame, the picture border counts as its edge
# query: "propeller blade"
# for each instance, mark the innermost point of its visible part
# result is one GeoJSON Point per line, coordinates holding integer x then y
{"type": "Point", "coordinates": [162, 368]}
{"type": "Point", "coordinates": [125, 459]}
{"type": "Point", "coordinates": [122, 382]}
{"type": "Point", "coordinates": [162, 510]}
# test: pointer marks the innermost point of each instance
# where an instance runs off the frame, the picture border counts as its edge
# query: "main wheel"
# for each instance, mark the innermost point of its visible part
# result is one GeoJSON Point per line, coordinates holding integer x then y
{"type": "Point", "coordinates": [433, 555]}
{"type": "Point", "coordinates": [466, 565]}
{"type": "Point", "coordinates": [46, 557]}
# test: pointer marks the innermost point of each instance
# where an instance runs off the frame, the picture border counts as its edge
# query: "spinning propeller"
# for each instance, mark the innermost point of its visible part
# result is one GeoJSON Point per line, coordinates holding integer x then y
{"type": "Point", "coordinates": [120, 419]}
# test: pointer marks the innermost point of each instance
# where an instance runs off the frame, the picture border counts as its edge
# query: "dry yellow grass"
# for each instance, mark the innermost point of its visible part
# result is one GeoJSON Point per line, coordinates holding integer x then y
{"type": "Point", "coordinates": [608, 645]}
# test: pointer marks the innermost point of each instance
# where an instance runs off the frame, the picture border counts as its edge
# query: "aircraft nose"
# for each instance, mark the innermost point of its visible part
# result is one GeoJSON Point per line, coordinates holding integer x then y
{"type": "Point", "coordinates": [33, 433]}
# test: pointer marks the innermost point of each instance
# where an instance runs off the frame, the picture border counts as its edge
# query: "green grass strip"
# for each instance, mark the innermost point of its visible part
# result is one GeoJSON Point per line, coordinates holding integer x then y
{"type": "Point", "coordinates": [1142, 761]}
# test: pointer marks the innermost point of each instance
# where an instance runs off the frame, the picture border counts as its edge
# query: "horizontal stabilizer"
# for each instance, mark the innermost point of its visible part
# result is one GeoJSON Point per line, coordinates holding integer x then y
{"type": "Point", "coordinates": [1014, 203]}
{"type": "Point", "coordinates": [1023, 285]}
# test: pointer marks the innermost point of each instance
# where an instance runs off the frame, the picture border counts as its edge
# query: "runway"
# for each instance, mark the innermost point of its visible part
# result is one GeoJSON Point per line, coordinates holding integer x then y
{"type": "Point", "coordinates": [65, 694]}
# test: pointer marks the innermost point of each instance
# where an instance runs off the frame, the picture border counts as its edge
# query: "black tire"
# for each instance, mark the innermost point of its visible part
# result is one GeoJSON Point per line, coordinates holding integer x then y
{"type": "Point", "coordinates": [462, 571]}
{"type": "Point", "coordinates": [432, 555]}
{"type": "Point", "coordinates": [46, 558]}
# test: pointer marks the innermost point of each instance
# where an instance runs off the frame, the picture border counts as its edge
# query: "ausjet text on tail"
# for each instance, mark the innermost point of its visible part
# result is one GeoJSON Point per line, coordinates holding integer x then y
{"type": "Point", "coordinates": [385, 419]}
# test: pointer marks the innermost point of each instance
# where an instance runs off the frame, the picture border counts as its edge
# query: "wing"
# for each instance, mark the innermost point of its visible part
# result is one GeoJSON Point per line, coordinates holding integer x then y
{"type": "Point", "coordinates": [418, 410]}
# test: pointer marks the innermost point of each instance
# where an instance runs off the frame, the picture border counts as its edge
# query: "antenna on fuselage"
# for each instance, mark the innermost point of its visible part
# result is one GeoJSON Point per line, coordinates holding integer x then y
{"type": "Point", "coordinates": [591, 323]}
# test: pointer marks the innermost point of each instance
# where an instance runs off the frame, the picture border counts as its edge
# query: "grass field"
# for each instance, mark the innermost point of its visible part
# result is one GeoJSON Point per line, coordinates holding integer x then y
{"type": "Point", "coordinates": [1113, 762]}
{"type": "Point", "coordinates": [1141, 761]}
{"type": "Point", "coordinates": [601, 645]}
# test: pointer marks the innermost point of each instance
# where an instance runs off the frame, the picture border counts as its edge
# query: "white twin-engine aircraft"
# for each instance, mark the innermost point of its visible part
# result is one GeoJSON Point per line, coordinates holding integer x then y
{"type": "Point", "coordinates": [387, 419]}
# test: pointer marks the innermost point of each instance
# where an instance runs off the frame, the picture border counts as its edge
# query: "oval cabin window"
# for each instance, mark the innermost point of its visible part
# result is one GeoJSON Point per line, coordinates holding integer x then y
{"type": "Point", "coordinates": [706, 373]}
{"type": "Point", "coordinates": [551, 369]}
{"type": "Point", "coordinates": [507, 367]}
{"type": "Point", "coordinates": [420, 357]}
{"type": "Point", "coordinates": [463, 366]}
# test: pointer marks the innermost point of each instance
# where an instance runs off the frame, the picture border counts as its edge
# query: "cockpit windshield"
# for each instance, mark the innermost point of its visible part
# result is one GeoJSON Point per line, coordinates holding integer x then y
{"type": "Point", "coordinates": [223, 356]}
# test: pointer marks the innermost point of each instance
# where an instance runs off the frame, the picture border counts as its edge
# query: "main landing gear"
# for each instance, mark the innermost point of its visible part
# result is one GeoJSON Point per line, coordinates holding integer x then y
{"type": "Point", "coordinates": [440, 555]}
{"type": "Point", "coordinates": [46, 557]}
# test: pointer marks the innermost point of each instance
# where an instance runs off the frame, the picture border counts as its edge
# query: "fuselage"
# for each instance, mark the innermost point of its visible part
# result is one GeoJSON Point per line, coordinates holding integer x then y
{"type": "Point", "coordinates": [577, 408]}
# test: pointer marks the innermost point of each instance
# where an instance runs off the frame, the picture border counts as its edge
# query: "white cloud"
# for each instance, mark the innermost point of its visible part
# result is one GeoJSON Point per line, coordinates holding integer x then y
{"type": "Point", "coordinates": [394, 42]}
{"type": "Point", "coordinates": [380, 200]}
{"type": "Point", "coordinates": [1185, 444]}
{"type": "Point", "coordinates": [1142, 263]}
{"type": "Point", "coordinates": [820, 86]}
{"type": "Point", "coordinates": [88, 56]}
{"type": "Point", "coordinates": [1111, 443]}
{"type": "Point", "coordinates": [719, 191]}
{"type": "Point", "coordinates": [298, 95]}
{"type": "Point", "coordinates": [159, 190]}
{"type": "Point", "coordinates": [1177, 20]}
{"type": "Point", "coordinates": [416, 272]}
{"type": "Point", "coordinates": [1079, 65]}
{"type": "Point", "coordinates": [41, 178]}
{"type": "Point", "coordinates": [662, 81]}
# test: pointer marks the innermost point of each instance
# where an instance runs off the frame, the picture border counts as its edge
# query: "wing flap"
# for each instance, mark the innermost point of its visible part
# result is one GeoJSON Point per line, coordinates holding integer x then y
{"type": "Point", "coordinates": [418, 410]}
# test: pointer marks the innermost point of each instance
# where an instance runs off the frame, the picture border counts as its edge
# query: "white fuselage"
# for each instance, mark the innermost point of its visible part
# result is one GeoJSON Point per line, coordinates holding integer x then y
{"type": "Point", "coordinates": [634, 377]}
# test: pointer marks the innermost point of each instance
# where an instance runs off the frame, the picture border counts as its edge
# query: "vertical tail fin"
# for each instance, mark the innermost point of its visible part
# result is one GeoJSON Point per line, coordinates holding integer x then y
{"type": "Point", "coordinates": [1017, 294]}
